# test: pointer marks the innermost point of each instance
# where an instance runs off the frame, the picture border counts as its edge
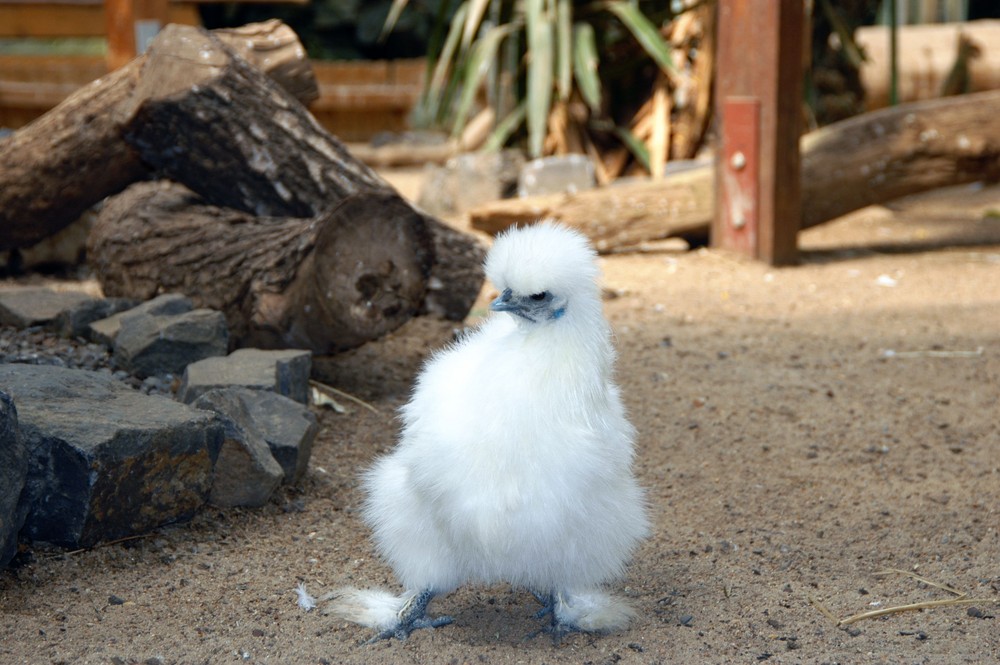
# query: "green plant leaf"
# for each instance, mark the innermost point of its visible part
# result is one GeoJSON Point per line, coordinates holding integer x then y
{"type": "Point", "coordinates": [539, 90]}
{"type": "Point", "coordinates": [390, 20]}
{"type": "Point", "coordinates": [644, 32]}
{"type": "Point", "coordinates": [564, 48]}
{"type": "Point", "coordinates": [585, 65]}
{"type": "Point", "coordinates": [481, 57]}
{"type": "Point", "coordinates": [434, 89]}
{"type": "Point", "coordinates": [850, 47]}
{"type": "Point", "coordinates": [474, 19]}
{"type": "Point", "coordinates": [499, 136]}
{"type": "Point", "coordinates": [635, 146]}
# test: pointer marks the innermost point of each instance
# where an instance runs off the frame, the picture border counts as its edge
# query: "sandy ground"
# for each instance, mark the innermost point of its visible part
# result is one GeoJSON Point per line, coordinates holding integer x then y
{"type": "Point", "coordinates": [801, 431]}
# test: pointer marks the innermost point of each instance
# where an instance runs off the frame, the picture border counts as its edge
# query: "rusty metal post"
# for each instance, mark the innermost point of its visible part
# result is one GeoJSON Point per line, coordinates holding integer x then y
{"type": "Point", "coordinates": [759, 102]}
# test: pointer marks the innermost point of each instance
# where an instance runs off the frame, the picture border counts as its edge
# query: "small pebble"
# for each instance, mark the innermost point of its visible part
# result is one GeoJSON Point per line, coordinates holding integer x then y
{"type": "Point", "coordinates": [38, 346]}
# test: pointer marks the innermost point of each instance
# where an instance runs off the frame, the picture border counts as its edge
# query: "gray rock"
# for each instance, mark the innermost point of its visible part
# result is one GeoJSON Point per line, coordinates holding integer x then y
{"type": "Point", "coordinates": [469, 180]}
{"type": "Point", "coordinates": [556, 175]}
{"type": "Point", "coordinates": [75, 321]}
{"type": "Point", "coordinates": [106, 461]}
{"type": "Point", "coordinates": [13, 473]}
{"type": "Point", "coordinates": [152, 345]}
{"type": "Point", "coordinates": [33, 306]}
{"type": "Point", "coordinates": [246, 473]}
{"type": "Point", "coordinates": [104, 331]}
{"type": "Point", "coordinates": [284, 371]}
{"type": "Point", "coordinates": [418, 137]}
{"type": "Point", "coordinates": [288, 427]}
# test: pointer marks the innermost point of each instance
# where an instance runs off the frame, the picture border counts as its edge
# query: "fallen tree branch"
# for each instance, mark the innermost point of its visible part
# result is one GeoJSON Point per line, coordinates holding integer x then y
{"type": "Point", "coordinates": [869, 159]}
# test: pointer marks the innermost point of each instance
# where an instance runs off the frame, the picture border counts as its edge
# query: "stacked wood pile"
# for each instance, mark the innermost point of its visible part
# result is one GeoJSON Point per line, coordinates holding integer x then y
{"type": "Point", "coordinates": [265, 217]}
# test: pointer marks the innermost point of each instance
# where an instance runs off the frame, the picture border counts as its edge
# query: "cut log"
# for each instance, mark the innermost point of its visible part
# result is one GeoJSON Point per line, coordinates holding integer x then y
{"type": "Point", "coordinates": [275, 49]}
{"type": "Point", "coordinates": [55, 168]}
{"type": "Point", "coordinates": [206, 118]}
{"type": "Point", "coordinates": [869, 159]}
{"type": "Point", "coordinates": [881, 156]}
{"type": "Point", "coordinates": [326, 283]}
{"type": "Point", "coordinates": [617, 215]}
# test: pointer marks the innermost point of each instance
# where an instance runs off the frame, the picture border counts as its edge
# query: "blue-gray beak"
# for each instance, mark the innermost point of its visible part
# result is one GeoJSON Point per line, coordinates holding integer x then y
{"type": "Point", "coordinates": [505, 302]}
{"type": "Point", "coordinates": [534, 307]}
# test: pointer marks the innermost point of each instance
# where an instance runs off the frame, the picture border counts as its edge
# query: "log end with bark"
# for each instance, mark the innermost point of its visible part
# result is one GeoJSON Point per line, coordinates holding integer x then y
{"type": "Point", "coordinates": [365, 276]}
{"type": "Point", "coordinates": [326, 283]}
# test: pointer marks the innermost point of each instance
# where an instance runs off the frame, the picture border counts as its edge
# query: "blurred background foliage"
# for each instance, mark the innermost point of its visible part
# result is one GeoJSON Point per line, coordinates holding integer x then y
{"type": "Point", "coordinates": [628, 82]}
{"type": "Point", "coordinates": [343, 29]}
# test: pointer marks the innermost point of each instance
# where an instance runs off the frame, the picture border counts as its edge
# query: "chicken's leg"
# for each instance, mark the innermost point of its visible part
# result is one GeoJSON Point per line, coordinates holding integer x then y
{"type": "Point", "coordinates": [413, 616]}
{"type": "Point", "coordinates": [556, 628]}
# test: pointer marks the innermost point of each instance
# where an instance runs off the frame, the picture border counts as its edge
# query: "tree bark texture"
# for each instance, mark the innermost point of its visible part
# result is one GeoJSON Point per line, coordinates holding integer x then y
{"type": "Point", "coordinates": [57, 167]}
{"type": "Point", "coordinates": [209, 120]}
{"type": "Point", "coordinates": [866, 160]}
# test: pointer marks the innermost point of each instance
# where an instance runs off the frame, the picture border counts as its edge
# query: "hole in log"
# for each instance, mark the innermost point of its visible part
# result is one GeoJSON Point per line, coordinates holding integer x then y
{"type": "Point", "coordinates": [368, 286]}
{"type": "Point", "coordinates": [369, 272]}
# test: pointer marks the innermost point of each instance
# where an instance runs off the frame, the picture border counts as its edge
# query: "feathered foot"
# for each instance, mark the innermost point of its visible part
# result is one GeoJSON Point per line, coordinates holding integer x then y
{"type": "Point", "coordinates": [556, 628]}
{"type": "Point", "coordinates": [591, 612]}
{"type": "Point", "coordinates": [413, 616]}
{"type": "Point", "coordinates": [393, 616]}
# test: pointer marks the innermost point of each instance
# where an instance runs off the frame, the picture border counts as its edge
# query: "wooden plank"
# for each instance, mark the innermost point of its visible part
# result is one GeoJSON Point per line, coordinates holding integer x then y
{"type": "Point", "coordinates": [771, 31]}
{"type": "Point", "coordinates": [72, 20]}
{"type": "Point", "coordinates": [408, 72]}
{"type": "Point", "coordinates": [351, 106]}
{"type": "Point", "coordinates": [42, 21]}
{"type": "Point", "coordinates": [372, 86]}
{"type": "Point", "coordinates": [381, 97]}
{"type": "Point", "coordinates": [63, 3]}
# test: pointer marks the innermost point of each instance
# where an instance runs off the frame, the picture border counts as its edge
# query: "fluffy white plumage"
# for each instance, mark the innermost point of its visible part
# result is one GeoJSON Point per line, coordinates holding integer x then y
{"type": "Point", "coordinates": [515, 459]}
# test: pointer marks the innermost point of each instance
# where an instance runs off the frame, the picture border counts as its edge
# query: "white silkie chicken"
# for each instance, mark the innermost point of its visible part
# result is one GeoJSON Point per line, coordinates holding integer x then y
{"type": "Point", "coordinates": [515, 459]}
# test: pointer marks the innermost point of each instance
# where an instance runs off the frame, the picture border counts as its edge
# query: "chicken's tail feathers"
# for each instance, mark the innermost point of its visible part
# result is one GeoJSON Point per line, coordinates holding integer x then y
{"type": "Point", "coordinates": [594, 611]}
{"type": "Point", "coordinates": [374, 608]}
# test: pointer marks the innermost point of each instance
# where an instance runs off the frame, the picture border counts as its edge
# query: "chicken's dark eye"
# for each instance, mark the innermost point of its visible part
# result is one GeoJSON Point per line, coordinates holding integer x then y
{"type": "Point", "coordinates": [538, 296]}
